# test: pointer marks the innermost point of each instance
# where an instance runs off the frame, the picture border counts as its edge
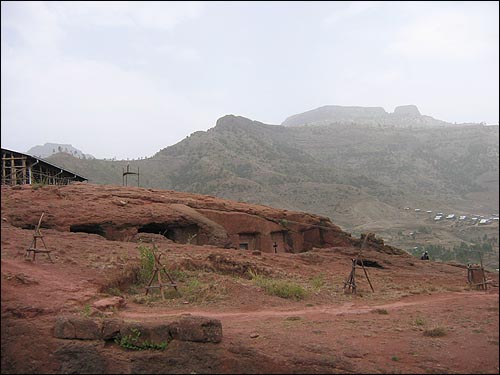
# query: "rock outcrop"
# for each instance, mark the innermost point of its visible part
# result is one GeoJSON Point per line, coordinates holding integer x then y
{"type": "Point", "coordinates": [180, 217]}
{"type": "Point", "coordinates": [407, 110]}
{"type": "Point", "coordinates": [192, 328]}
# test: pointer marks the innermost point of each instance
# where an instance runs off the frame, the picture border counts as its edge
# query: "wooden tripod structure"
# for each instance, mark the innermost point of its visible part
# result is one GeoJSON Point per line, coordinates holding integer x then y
{"type": "Point", "coordinates": [33, 249]}
{"type": "Point", "coordinates": [157, 270]}
{"type": "Point", "coordinates": [350, 284]}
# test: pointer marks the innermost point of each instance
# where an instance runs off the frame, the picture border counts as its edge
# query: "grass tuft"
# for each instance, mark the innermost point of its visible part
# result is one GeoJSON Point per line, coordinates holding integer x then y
{"type": "Point", "coordinates": [435, 332]}
{"type": "Point", "coordinates": [281, 288]}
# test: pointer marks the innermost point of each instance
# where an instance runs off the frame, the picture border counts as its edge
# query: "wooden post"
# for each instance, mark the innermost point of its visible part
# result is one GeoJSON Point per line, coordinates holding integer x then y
{"type": "Point", "coordinates": [159, 280]}
{"type": "Point", "coordinates": [4, 171]}
{"type": "Point", "coordinates": [12, 171]}
{"type": "Point", "coordinates": [350, 283]}
{"type": "Point", "coordinates": [482, 270]}
{"type": "Point", "coordinates": [24, 170]}
{"type": "Point", "coordinates": [366, 274]}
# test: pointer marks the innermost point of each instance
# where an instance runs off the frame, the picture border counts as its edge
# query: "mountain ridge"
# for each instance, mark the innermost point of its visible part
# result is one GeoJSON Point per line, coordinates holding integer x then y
{"type": "Point", "coordinates": [403, 116]}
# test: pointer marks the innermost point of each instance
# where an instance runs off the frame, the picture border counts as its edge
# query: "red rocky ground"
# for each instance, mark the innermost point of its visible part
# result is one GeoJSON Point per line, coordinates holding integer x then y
{"type": "Point", "coordinates": [326, 331]}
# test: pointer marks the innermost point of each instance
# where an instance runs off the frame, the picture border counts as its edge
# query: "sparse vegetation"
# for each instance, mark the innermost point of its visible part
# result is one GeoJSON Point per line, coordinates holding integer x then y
{"type": "Point", "coordinates": [435, 332]}
{"type": "Point", "coordinates": [147, 264]}
{"type": "Point", "coordinates": [133, 342]}
{"type": "Point", "coordinates": [381, 311]}
{"type": "Point", "coordinates": [86, 311]}
{"type": "Point", "coordinates": [280, 288]}
{"type": "Point", "coordinates": [318, 281]}
{"type": "Point", "coordinates": [419, 321]}
{"type": "Point", "coordinates": [283, 222]}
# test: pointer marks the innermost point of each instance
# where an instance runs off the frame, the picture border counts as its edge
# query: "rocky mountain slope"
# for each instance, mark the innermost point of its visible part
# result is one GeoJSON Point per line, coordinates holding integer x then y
{"type": "Point", "coordinates": [362, 177]}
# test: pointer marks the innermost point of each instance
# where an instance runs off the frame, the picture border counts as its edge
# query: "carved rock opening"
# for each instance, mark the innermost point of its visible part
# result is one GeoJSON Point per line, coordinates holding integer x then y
{"type": "Point", "coordinates": [88, 228]}
{"type": "Point", "coordinates": [249, 241]}
{"type": "Point", "coordinates": [178, 233]}
{"type": "Point", "coordinates": [369, 263]}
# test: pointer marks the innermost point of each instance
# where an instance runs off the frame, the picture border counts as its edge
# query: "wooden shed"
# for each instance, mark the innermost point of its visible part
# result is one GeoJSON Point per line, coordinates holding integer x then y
{"type": "Point", "coordinates": [21, 169]}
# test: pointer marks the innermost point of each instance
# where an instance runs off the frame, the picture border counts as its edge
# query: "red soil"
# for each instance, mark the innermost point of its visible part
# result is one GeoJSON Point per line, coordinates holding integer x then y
{"type": "Point", "coordinates": [326, 332]}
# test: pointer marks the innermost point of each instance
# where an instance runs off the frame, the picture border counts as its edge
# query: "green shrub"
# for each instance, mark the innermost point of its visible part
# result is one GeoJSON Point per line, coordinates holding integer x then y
{"type": "Point", "coordinates": [147, 264]}
{"type": "Point", "coordinates": [284, 222]}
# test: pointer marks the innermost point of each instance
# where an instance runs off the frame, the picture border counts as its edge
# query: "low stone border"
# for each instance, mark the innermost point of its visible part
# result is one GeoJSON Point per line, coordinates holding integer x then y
{"type": "Point", "coordinates": [187, 328]}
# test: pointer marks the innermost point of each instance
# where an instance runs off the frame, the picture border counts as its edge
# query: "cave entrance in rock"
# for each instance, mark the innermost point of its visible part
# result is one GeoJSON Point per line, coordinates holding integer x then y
{"type": "Point", "coordinates": [369, 263]}
{"type": "Point", "coordinates": [279, 238]}
{"type": "Point", "coordinates": [187, 233]}
{"type": "Point", "coordinates": [249, 241]}
{"type": "Point", "coordinates": [313, 237]}
{"type": "Point", "coordinates": [88, 228]}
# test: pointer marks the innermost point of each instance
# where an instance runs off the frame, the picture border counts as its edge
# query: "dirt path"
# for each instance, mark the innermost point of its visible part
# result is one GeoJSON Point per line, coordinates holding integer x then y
{"type": "Point", "coordinates": [356, 337]}
{"type": "Point", "coordinates": [346, 308]}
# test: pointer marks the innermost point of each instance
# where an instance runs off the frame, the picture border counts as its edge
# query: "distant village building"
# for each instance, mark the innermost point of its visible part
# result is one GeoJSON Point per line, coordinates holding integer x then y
{"type": "Point", "coordinates": [484, 221]}
{"type": "Point", "coordinates": [463, 217]}
{"type": "Point", "coordinates": [451, 216]}
{"type": "Point", "coordinates": [22, 169]}
{"type": "Point", "coordinates": [438, 217]}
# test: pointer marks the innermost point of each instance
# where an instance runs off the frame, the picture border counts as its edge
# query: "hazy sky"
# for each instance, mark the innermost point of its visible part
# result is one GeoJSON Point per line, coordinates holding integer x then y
{"type": "Point", "coordinates": [126, 79]}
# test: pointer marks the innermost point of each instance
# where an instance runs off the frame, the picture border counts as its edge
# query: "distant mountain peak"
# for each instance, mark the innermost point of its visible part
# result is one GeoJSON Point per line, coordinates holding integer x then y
{"type": "Point", "coordinates": [407, 110]}
{"type": "Point", "coordinates": [403, 116]}
{"type": "Point", "coordinates": [232, 122]}
{"type": "Point", "coordinates": [49, 149]}
{"type": "Point", "coordinates": [232, 119]}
